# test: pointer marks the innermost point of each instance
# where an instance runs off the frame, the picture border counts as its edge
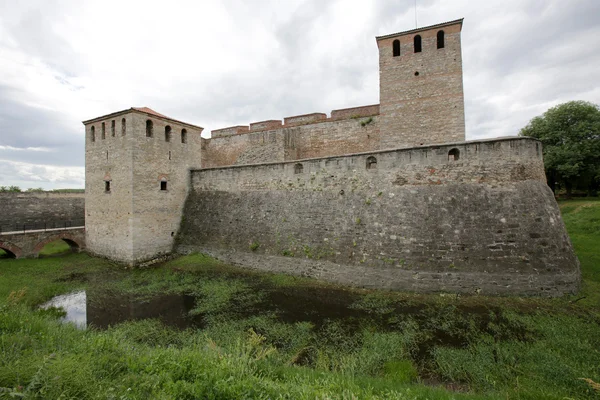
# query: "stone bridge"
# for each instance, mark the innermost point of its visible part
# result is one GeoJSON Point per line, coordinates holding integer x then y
{"type": "Point", "coordinates": [24, 244]}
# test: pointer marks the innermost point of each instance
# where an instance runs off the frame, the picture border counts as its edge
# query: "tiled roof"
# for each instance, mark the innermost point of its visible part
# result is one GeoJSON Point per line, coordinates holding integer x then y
{"type": "Point", "coordinates": [456, 21]}
{"type": "Point", "coordinates": [148, 110]}
{"type": "Point", "coordinates": [145, 110]}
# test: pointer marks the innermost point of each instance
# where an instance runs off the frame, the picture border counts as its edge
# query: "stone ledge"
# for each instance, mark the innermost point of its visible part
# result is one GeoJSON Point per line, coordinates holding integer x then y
{"type": "Point", "coordinates": [476, 283]}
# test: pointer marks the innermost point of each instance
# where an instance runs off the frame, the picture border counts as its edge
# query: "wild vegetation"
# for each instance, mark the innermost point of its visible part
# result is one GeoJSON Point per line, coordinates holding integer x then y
{"type": "Point", "coordinates": [570, 134]}
{"type": "Point", "coordinates": [17, 189]}
{"type": "Point", "coordinates": [254, 335]}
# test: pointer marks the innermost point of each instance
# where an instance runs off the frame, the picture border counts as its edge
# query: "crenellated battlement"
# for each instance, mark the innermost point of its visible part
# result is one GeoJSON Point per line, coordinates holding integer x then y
{"type": "Point", "coordinates": [232, 130]}
{"type": "Point", "coordinates": [298, 120]}
{"type": "Point", "coordinates": [386, 195]}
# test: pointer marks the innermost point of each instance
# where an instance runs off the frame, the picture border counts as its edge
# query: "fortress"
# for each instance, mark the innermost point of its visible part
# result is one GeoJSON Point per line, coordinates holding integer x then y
{"type": "Point", "coordinates": [387, 195]}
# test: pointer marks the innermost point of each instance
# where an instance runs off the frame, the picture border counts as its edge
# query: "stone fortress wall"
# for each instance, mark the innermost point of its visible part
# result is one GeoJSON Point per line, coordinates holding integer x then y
{"type": "Point", "coordinates": [34, 210]}
{"type": "Point", "coordinates": [350, 130]}
{"type": "Point", "coordinates": [421, 87]}
{"type": "Point", "coordinates": [387, 195]}
{"type": "Point", "coordinates": [463, 217]}
{"type": "Point", "coordinates": [135, 220]}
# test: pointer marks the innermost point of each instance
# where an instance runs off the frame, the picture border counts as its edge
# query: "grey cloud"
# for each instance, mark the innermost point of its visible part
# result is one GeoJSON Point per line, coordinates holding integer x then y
{"type": "Point", "coordinates": [25, 127]}
{"type": "Point", "coordinates": [46, 176]}
{"type": "Point", "coordinates": [512, 72]}
{"type": "Point", "coordinates": [34, 29]}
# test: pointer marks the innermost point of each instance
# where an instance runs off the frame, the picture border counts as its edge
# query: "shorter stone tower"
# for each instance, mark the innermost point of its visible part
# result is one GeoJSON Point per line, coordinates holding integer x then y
{"type": "Point", "coordinates": [137, 164]}
{"type": "Point", "coordinates": [421, 86]}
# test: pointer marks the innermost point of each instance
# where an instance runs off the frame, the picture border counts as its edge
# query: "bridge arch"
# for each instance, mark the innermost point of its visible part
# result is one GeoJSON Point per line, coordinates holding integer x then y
{"type": "Point", "coordinates": [12, 250]}
{"type": "Point", "coordinates": [74, 243]}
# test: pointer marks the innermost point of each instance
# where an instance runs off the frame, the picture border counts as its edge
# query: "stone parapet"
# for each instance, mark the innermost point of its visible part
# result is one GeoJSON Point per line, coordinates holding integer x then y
{"type": "Point", "coordinates": [304, 119]}
{"type": "Point", "coordinates": [265, 125]}
{"type": "Point", "coordinates": [233, 130]}
{"type": "Point", "coordinates": [355, 112]}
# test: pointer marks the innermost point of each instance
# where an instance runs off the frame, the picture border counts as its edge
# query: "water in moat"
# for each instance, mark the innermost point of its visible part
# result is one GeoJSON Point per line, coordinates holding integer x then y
{"type": "Point", "coordinates": [336, 316]}
{"type": "Point", "coordinates": [104, 310]}
{"type": "Point", "coordinates": [316, 305]}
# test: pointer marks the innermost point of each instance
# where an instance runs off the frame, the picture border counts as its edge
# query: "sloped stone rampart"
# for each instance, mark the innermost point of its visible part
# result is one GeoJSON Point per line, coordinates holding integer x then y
{"type": "Point", "coordinates": [471, 217]}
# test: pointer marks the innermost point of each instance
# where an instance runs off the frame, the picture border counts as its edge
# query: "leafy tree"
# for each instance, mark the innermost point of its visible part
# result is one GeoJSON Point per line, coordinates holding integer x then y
{"type": "Point", "coordinates": [570, 134]}
{"type": "Point", "coordinates": [10, 189]}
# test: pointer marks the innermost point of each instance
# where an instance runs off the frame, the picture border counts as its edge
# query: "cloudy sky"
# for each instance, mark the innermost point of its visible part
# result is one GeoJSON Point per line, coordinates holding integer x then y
{"type": "Point", "coordinates": [229, 62]}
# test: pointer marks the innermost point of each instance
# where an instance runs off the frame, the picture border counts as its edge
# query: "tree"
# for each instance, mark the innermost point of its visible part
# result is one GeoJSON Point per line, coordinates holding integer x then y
{"type": "Point", "coordinates": [570, 135]}
{"type": "Point", "coordinates": [10, 189]}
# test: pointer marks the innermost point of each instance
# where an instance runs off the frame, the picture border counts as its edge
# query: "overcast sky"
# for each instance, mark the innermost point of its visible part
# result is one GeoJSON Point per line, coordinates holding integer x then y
{"type": "Point", "coordinates": [229, 62]}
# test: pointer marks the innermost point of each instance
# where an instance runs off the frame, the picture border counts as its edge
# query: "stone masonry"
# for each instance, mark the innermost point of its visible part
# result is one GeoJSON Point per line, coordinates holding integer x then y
{"type": "Point", "coordinates": [37, 210]}
{"type": "Point", "coordinates": [421, 93]}
{"type": "Point", "coordinates": [134, 220]}
{"type": "Point", "coordinates": [464, 217]}
{"type": "Point", "coordinates": [386, 195]}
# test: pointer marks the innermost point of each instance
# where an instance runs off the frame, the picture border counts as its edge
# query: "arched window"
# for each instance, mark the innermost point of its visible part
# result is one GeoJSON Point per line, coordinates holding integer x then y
{"type": "Point", "coordinates": [163, 184]}
{"type": "Point", "coordinates": [112, 128]}
{"type": "Point", "coordinates": [123, 126]}
{"type": "Point", "coordinates": [298, 168]}
{"type": "Point", "coordinates": [440, 40]}
{"type": "Point", "coordinates": [183, 136]}
{"type": "Point", "coordinates": [149, 128]}
{"type": "Point", "coordinates": [103, 131]}
{"type": "Point", "coordinates": [371, 163]}
{"type": "Point", "coordinates": [453, 155]}
{"type": "Point", "coordinates": [418, 44]}
{"type": "Point", "coordinates": [93, 130]}
{"type": "Point", "coordinates": [396, 47]}
{"type": "Point", "coordinates": [167, 133]}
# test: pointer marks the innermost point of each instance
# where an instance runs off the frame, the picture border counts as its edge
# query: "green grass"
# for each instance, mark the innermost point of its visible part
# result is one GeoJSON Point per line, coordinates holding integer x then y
{"type": "Point", "coordinates": [278, 336]}
{"type": "Point", "coordinates": [582, 219]}
{"type": "Point", "coordinates": [56, 247]}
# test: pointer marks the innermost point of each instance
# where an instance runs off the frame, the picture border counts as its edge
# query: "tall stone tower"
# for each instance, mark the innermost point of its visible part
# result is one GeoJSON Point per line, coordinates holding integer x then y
{"type": "Point", "coordinates": [421, 86]}
{"type": "Point", "coordinates": [137, 164]}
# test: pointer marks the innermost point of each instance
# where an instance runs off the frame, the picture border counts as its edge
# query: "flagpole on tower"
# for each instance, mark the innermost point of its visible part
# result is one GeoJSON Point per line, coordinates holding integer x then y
{"type": "Point", "coordinates": [416, 25]}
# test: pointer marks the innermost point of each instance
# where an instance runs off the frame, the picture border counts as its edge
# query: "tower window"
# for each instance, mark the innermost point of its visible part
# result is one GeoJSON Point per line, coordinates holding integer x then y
{"type": "Point", "coordinates": [440, 40]}
{"type": "Point", "coordinates": [112, 128]}
{"type": "Point", "coordinates": [123, 126]}
{"type": "Point", "coordinates": [453, 155]}
{"type": "Point", "coordinates": [418, 44]}
{"type": "Point", "coordinates": [93, 130]}
{"type": "Point", "coordinates": [396, 46]}
{"type": "Point", "coordinates": [149, 128]}
{"type": "Point", "coordinates": [163, 184]}
{"type": "Point", "coordinates": [371, 163]}
{"type": "Point", "coordinates": [298, 168]}
{"type": "Point", "coordinates": [103, 131]}
{"type": "Point", "coordinates": [183, 136]}
{"type": "Point", "coordinates": [167, 133]}
{"type": "Point", "coordinates": [107, 186]}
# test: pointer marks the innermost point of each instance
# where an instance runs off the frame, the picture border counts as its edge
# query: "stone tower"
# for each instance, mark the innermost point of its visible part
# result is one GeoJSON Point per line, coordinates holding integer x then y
{"type": "Point", "coordinates": [421, 86]}
{"type": "Point", "coordinates": [137, 164]}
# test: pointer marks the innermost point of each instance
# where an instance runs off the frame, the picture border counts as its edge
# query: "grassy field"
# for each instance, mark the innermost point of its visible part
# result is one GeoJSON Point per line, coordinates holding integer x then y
{"type": "Point", "coordinates": [51, 249]}
{"type": "Point", "coordinates": [273, 336]}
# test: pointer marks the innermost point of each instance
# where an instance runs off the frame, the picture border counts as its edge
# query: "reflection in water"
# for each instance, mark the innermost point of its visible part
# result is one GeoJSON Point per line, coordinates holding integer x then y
{"type": "Point", "coordinates": [75, 306]}
{"type": "Point", "coordinates": [172, 310]}
{"type": "Point", "coordinates": [102, 310]}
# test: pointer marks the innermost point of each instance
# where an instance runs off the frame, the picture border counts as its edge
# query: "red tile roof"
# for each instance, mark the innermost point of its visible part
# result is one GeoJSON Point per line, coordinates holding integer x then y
{"type": "Point", "coordinates": [150, 111]}
{"type": "Point", "coordinates": [145, 110]}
